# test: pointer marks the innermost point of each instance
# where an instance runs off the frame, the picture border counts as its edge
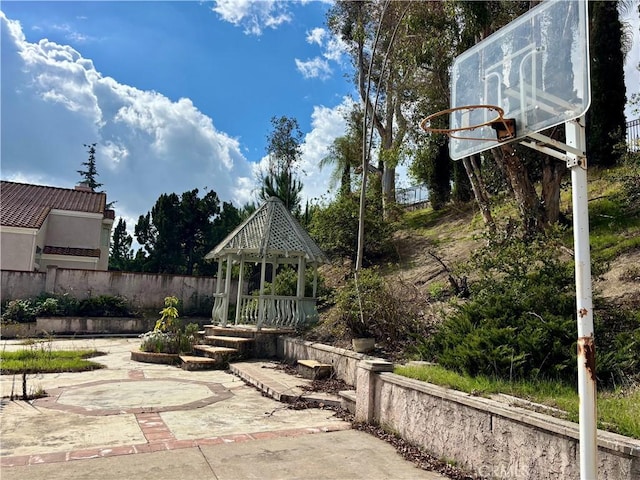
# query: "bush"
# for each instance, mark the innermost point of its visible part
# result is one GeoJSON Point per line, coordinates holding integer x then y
{"type": "Point", "coordinates": [519, 320]}
{"type": "Point", "coordinates": [335, 228]}
{"type": "Point", "coordinates": [19, 311]}
{"type": "Point", "coordinates": [104, 306]}
{"type": "Point", "coordinates": [47, 305]}
{"type": "Point", "coordinates": [391, 313]}
{"type": "Point", "coordinates": [168, 335]}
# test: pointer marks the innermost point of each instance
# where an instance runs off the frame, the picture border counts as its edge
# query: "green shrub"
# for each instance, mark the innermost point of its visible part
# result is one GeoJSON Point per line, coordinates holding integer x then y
{"type": "Point", "coordinates": [168, 335]}
{"type": "Point", "coordinates": [518, 322]}
{"type": "Point", "coordinates": [335, 228]}
{"type": "Point", "coordinates": [19, 311]}
{"type": "Point", "coordinates": [392, 313]}
{"type": "Point", "coordinates": [104, 306]}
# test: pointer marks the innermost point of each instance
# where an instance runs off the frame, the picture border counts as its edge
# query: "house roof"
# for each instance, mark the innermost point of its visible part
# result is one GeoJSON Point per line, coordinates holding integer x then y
{"type": "Point", "coordinates": [26, 205]}
{"type": "Point", "coordinates": [270, 230]}
{"type": "Point", "coordinates": [74, 252]}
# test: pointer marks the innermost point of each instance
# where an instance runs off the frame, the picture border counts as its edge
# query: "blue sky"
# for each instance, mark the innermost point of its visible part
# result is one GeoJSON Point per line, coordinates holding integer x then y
{"type": "Point", "coordinates": [177, 95]}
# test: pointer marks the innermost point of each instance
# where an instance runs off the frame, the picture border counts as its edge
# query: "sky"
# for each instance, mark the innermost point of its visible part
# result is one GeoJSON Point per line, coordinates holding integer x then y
{"type": "Point", "coordinates": [176, 95]}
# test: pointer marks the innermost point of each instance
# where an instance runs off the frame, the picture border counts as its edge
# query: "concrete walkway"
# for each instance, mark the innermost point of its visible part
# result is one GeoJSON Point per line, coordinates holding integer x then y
{"type": "Point", "coordinates": [138, 421]}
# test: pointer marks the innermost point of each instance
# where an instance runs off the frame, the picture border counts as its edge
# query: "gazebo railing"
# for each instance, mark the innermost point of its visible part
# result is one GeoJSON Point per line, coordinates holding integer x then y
{"type": "Point", "coordinates": [278, 311]}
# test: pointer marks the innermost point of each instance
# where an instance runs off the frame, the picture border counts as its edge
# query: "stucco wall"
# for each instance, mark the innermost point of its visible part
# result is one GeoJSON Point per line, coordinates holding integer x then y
{"type": "Point", "coordinates": [344, 362]}
{"type": "Point", "coordinates": [16, 249]}
{"type": "Point", "coordinates": [143, 290]}
{"type": "Point", "coordinates": [74, 230]}
{"type": "Point", "coordinates": [18, 284]}
{"type": "Point", "coordinates": [491, 437]}
{"type": "Point", "coordinates": [494, 439]}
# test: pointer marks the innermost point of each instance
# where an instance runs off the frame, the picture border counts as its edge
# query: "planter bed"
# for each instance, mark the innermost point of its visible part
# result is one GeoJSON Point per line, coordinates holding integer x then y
{"type": "Point", "coordinates": [152, 357]}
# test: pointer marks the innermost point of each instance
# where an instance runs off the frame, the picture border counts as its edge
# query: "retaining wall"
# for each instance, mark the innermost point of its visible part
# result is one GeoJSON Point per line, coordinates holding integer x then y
{"type": "Point", "coordinates": [490, 437]}
{"type": "Point", "coordinates": [143, 290]}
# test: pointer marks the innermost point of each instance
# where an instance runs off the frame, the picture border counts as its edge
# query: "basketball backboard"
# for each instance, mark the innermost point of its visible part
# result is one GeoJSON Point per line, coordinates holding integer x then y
{"type": "Point", "coordinates": [536, 69]}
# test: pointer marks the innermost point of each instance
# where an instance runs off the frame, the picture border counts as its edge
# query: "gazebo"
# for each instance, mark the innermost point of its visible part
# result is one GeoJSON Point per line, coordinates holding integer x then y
{"type": "Point", "coordinates": [270, 236]}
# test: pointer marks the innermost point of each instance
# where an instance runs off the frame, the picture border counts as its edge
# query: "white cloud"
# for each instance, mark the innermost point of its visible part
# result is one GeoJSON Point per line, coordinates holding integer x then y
{"type": "Point", "coordinates": [315, 68]}
{"type": "Point", "coordinates": [333, 51]}
{"type": "Point", "coordinates": [316, 36]}
{"type": "Point", "coordinates": [327, 124]}
{"type": "Point", "coordinates": [147, 144]}
{"type": "Point", "coordinates": [253, 15]}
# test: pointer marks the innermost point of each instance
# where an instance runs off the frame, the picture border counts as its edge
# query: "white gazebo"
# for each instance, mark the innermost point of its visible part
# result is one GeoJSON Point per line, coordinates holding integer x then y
{"type": "Point", "coordinates": [271, 235]}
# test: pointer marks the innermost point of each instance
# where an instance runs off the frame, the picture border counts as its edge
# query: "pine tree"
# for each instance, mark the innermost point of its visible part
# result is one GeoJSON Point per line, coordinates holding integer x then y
{"type": "Point", "coordinates": [121, 253]}
{"type": "Point", "coordinates": [605, 118]}
{"type": "Point", "coordinates": [89, 175]}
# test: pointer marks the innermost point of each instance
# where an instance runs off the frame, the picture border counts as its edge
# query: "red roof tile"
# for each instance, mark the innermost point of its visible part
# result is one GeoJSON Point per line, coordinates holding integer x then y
{"type": "Point", "coordinates": [76, 252]}
{"type": "Point", "coordinates": [25, 205]}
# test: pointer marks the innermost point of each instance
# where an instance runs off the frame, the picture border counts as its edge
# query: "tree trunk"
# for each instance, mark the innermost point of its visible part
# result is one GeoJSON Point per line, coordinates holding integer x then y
{"type": "Point", "coordinates": [479, 192]}
{"type": "Point", "coordinates": [531, 212]}
{"type": "Point", "coordinates": [553, 172]}
{"type": "Point", "coordinates": [388, 190]}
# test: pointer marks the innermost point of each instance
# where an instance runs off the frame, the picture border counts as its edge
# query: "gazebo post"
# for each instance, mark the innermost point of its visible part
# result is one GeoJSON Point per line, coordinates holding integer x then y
{"type": "Point", "coordinates": [301, 269]}
{"type": "Point", "coordinates": [218, 283]}
{"type": "Point", "coordinates": [240, 288]}
{"type": "Point", "coordinates": [227, 290]}
{"type": "Point", "coordinates": [315, 281]}
{"type": "Point", "coordinates": [263, 270]}
{"type": "Point", "coordinates": [300, 289]}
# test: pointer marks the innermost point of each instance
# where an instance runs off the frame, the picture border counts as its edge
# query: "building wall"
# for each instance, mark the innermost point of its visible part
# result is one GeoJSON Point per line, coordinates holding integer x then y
{"type": "Point", "coordinates": [74, 229]}
{"type": "Point", "coordinates": [17, 248]}
{"type": "Point", "coordinates": [68, 261]}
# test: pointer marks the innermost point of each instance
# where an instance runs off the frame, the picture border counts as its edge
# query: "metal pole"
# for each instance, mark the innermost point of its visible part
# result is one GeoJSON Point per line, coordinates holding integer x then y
{"type": "Point", "coordinates": [575, 133]}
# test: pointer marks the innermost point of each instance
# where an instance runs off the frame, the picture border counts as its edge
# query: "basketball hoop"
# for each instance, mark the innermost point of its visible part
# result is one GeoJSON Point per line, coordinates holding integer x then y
{"type": "Point", "coordinates": [505, 127]}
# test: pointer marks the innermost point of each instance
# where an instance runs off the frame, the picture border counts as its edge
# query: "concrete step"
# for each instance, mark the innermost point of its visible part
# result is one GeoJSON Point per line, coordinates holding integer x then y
{"type": "Point", "coordinates": [244, 346]}
{"type": "Point", "coordinates": [230, 331]}
{"type": "Point", "coordinates": [277, 384]}
{"type": "Point", "coordinates": [222, 355]}
{"type": "Point", "coordinates": [241, 343]}
{"type": "Point", "coordinates": [314, 370]}
{"type": "Point", "coordinates": [348, 400]}
{"type": "Point", "coordinates": [190, 362]}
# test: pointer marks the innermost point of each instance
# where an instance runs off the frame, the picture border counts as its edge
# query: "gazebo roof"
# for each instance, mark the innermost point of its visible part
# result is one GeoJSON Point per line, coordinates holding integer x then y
{"type": "Point", "coordinates": [270, 231]}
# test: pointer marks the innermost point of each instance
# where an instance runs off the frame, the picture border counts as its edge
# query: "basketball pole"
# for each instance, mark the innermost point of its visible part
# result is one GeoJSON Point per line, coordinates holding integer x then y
{"type": "Point", "coordinates": [576, 138]}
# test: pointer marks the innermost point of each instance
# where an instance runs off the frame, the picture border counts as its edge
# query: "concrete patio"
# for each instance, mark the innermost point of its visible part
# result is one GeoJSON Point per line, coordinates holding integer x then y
{"type": "Point", "coordinates": [135, 420]}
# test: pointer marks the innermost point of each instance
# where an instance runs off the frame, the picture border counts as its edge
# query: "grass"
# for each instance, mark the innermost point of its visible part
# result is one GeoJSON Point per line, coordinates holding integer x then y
{"type": "Point", "coordinates": [43, 360]}
{"type": "Point", "coordinates": [618, 411]}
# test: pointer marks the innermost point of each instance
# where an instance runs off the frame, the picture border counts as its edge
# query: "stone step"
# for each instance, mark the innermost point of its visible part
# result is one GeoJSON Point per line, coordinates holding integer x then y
{"type": "Point", "coordinates": [222, 355]}
{"type": "Point", "coordinates": [230, 331]}
{"type": "Point", "coordinates": [241, 343]}
{"type": "Point", "coordinates": [348, 400]}
{"type": "Point", "coordinates": [244, 346]}
{"type": "Point", "coordinates": [314, 370]}
{"type": "Point", "coordinates": [190, 362]}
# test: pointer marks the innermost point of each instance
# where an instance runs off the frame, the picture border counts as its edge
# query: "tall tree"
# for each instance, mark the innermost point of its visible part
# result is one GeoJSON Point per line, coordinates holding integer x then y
{"type": "Point", "coordinates": [89, 175]}
{"type": "Point", "coordinates": [121, 254]}
{"type": "Point", "coordinates": [284, 157]}
{"type": "Point", "coordinates": [606, 121]}
{"type": "Point", "coordinates": [345, 154]}
{"type": "Point", "coordinates": [372, 31]}
{"type": "Point", "coordinates": [180, 230]}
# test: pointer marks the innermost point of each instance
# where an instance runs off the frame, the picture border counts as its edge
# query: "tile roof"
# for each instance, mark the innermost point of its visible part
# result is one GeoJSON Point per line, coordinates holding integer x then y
{"type": "Point", "coordinates": [76, 252]}
{"type": "Point", "coordinates": [26, 205]}
{"type": "Point", "coordinates": [270, 230]}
